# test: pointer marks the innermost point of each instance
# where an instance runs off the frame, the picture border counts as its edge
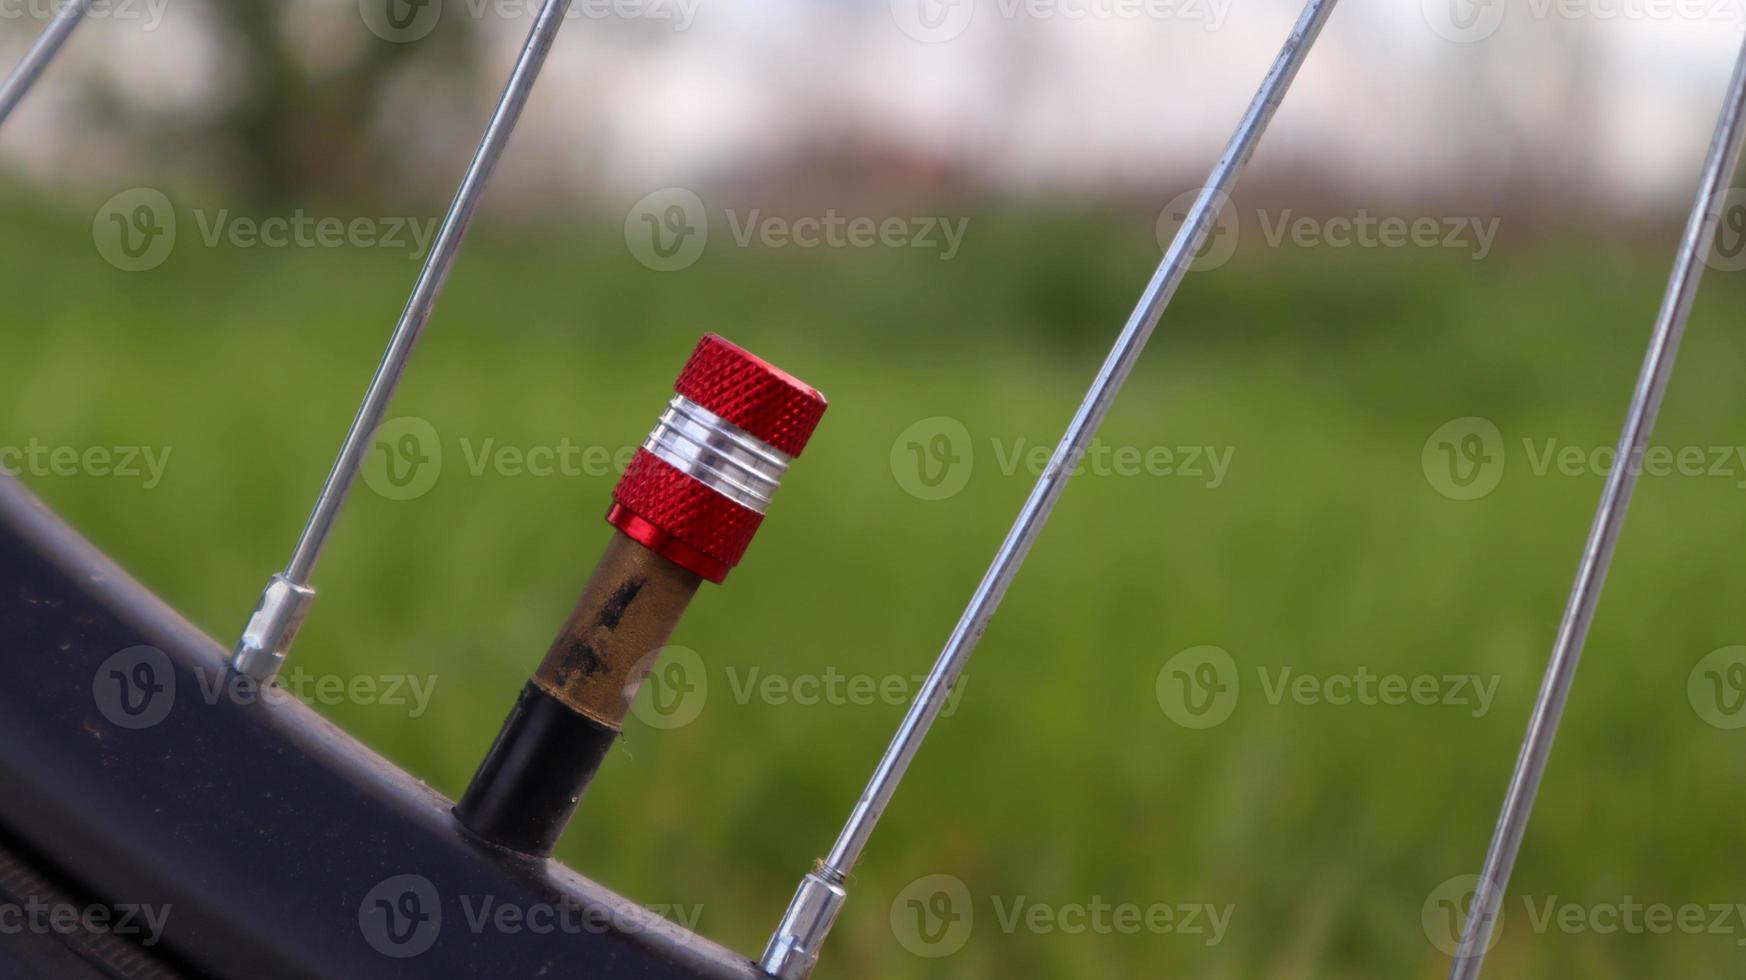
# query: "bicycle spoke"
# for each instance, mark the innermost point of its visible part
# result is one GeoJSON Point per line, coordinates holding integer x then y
{"type": "Point", "coordinates": [42, 51]}
{"type": "Point", "coordinates": [1597, 553]}
{"type": "Point", "coordinates": [267, 638]}
{"type": "Point", "coordinates": [793, 948]}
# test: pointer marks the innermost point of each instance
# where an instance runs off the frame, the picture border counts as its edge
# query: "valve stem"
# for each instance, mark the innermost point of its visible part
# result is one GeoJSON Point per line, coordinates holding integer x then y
{"type": "Point", "coordinates": [685, 510]}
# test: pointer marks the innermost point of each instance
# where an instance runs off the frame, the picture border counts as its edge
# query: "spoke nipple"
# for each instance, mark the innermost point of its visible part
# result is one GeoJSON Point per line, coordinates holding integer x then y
{"type": "Point", "coordinates": [267, 637]}
{"type": "Point", "coordinates": [794, 948]}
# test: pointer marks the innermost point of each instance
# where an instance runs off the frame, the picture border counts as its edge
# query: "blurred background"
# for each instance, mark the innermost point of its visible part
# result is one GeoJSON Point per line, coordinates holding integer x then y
{"type": "Point", "coordinates": [1262, 682]}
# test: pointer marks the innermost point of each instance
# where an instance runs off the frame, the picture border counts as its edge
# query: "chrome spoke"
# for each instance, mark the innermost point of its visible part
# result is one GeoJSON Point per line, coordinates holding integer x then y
{"type": "Point", "coordinates": [42, 51]}
{"type": "Point", "coordinates": [1597, 553]}
{"type": "Point", "coordinates": [793, 948]}
{"type": "Point", "coordinates": [267, 638]}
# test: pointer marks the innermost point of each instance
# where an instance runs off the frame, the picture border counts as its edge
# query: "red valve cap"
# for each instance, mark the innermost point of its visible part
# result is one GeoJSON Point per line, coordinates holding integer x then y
{"type": "Point", "coordinates": [696, 491]}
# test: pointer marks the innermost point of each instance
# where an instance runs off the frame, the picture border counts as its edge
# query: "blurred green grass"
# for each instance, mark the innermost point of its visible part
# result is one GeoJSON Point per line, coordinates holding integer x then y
{"type": "Point", "coordinates": [1060, 779]}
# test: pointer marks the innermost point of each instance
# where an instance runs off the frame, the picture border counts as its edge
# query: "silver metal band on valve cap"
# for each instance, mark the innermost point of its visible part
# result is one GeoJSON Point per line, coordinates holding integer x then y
{"type": "Point", "coordinates": [718, 454]}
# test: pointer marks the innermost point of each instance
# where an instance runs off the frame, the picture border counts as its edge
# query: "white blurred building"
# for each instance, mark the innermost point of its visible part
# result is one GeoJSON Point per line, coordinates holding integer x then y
{"type": "Point", "coordinates": [1607, 99]}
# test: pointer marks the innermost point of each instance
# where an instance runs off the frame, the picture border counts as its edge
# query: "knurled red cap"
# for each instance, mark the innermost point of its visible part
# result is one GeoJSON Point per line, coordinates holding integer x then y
{"type": "Point", "coordinates": [675, 512]}
{"type": "Point", "coordinates": [752, 393]}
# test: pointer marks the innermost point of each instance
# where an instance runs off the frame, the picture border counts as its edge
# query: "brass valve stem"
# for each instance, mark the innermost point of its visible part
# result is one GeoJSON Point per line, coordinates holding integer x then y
{"type": "Point", "coordinates": [572, 710]}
